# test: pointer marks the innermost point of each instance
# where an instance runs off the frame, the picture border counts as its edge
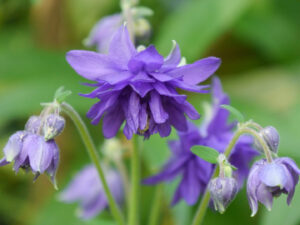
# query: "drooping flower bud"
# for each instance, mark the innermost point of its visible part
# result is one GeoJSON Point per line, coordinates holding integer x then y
{"type": "Point", "coordinates": [53, 126]}
{"type": "Point", "coordinates": [222, 191]}
{"type": "Point", "coordinates": [33, 124]}
{"type": "Point", "coordinates": [271, 137]}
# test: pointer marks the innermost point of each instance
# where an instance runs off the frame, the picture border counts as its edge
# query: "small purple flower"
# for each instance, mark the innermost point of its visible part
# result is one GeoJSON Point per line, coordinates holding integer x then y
{"type": "Point", "coordinates": [140, 88]}
{"type": "Point", "coordinates": [86, 188]}
{"type": "Point", "coordinates": [31, 151]}
{"type": "Point", "coordinates": [103, 31]}
{"type": "Point", "coordinates": [214, 132]}
{"type": "Point", "coordinates": [222, 191]}
{"type": "Point", "coordinates": [268, 180]}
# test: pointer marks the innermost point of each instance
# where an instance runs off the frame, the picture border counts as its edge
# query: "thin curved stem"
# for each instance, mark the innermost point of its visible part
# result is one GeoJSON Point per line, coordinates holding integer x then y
{"type": "Point", "coordinates": [133, 216]}
{"type": "Point", "coordinates": [156, 205]}
{"type": "Point", "coordinates": [200, 214]}
{"type": "Point", "coordinates": [90, 146]}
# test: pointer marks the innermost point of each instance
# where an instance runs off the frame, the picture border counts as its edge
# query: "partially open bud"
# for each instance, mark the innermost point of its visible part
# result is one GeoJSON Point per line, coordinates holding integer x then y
{"type": "Point", "coordinates": [53, 126]}
{"type": "Point", "coordinates": [222, 191]}
{"type": "Point", "coordinates": [271, 137]}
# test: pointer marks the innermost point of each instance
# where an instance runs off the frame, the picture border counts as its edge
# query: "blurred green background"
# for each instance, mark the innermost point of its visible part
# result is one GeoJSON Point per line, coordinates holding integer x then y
{"type": "Point", "coordinates": [258, 41]}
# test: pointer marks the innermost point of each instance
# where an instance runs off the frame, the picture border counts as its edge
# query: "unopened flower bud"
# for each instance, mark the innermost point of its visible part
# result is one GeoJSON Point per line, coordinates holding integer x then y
{"type": "Point", "coordinates": [33, 124]}
{"type": "Point", "coordinates": [222, 191]}
{"type": "Point", "coordinates": [53, 126]}
{"type": "Point", "coordinates": [271, 137]}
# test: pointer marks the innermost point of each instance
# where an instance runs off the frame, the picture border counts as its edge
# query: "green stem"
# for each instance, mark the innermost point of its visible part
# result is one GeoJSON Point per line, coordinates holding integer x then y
{"type": "Point", "coordinates": [200, 214]}
{"type": "Point", "coordinates": [135, 184]}
{"type": "Point", "coordinates": [155, 209]}
{"type": "Point", "coordinates": [90, 146]}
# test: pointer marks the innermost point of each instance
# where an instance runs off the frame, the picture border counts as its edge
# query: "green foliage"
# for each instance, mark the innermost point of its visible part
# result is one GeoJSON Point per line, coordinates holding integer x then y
{"type": "Point", "coordinates": [206, 153]}
{"type": "Point", "coordinates": [198, 24]}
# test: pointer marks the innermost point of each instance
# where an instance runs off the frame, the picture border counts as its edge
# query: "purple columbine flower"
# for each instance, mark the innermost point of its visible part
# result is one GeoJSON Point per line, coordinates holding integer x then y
{"type": "Point", "coordinates": [86, 188]}
{"type": "Point", "coordinates": [103, 31]}
{"type": "Point", "coordinates": [30, 151]}
{"type": "Point", "coordinates": [268, 180]}
{"type": "Point", "coordinates": [140, 87]}
{"type": "Point", "coordinates": [214, 132]}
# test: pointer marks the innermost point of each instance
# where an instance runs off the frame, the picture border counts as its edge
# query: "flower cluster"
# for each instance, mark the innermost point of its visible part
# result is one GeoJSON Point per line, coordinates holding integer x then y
{"type": "Point", "coordinates": [140, 87]}
{"type": "Point", "coordinates": [214, 132]}
{"type": "Point", "coordinates": [86, 188]}
{"type": "Point", "coordinates": [34, 148]}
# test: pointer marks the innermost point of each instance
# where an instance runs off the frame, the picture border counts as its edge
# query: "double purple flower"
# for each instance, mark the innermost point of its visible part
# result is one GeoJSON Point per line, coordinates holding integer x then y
{"type": "Point", "coordinates": [140, 88]}
{"type": "Point", "coordinates": [196, 173]}
{"type": "Point", "coordinates": [269, 180]}
{"type": "Point", "coordinates": [34, 148]}
{"type": "Point", "coordinates": [86, 188]}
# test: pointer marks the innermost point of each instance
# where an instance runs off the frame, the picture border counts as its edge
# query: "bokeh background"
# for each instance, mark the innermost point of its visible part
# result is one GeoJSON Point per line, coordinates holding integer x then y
{"type": "Point", "coordinates": [258, 41]}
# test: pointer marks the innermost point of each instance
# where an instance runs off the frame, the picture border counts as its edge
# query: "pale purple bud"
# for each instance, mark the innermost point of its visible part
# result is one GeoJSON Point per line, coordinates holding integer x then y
{"type": "Point", "coordinates": [222, 191]}
{"type": "Point", "coordinates": [53, 126]}
{"type": "Point", "coordinates": [271, 137]}
{"type": "Point", "coordinates": [33, 124]}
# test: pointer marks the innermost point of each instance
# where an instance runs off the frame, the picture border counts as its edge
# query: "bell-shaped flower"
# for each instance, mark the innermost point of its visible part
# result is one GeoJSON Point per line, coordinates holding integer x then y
{"type": "Point", "coordinates": [30, 151]}
{"type": "Point", "coordinates": [86, 189]}
{"type": "Point", "coordinates": [269, 180]}
{"type": "Point", "coordinates": [140, 88]}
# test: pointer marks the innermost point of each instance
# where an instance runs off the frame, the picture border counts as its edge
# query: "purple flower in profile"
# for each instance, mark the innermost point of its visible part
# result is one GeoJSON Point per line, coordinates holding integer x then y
{"type": "Point", "coordinates": [103, 31]}
{"type": "Point", "coordinates": [86, 188]}
{"type": "Point", "coordinates": [140, 88]}
{"type": "Point", "coordinates": [268, 180]}
{"type": "Point", "coordinates": [214, 132]}
{"type": "Point", "coordinates": [30, 151]}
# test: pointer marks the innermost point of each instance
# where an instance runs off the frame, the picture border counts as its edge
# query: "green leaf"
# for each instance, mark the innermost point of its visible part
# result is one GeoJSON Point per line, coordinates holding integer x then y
{"type": "Point", "coordinates": [206, 153]}
{"type": "Point", "coordinates": [237, 114]}
{"type": "Point", "coordinates": [196, 25]}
